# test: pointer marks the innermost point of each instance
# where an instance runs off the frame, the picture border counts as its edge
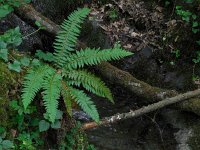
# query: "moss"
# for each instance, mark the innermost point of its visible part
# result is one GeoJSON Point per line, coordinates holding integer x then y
{"type": "Point", "coordinates": [8, 81]}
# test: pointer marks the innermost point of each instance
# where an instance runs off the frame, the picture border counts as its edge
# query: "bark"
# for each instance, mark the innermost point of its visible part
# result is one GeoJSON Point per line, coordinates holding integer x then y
{"type": "Point", "coordinates": [115, 75]}
{"type": "Point", "coordinates": [28, 13]}
{"type": "Point", "coordinates": [146, 109]}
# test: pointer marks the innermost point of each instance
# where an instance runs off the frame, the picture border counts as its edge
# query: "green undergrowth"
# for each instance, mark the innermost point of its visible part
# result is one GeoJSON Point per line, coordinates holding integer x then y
{"type": "Point", "coordinates": [49, 79]}
{"type": "Point", "coordinates": [8, 81]}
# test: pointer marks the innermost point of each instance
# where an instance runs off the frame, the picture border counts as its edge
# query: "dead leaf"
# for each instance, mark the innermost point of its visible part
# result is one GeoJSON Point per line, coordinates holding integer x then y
{"type": "Point", "coordinates": [128, 46]}
{"type": "Point", "coordinates": [160, 9]}
{"type": "Point", "coordinates": [13, 132]}
{"type": "Point", "coordinates": [134, 34]}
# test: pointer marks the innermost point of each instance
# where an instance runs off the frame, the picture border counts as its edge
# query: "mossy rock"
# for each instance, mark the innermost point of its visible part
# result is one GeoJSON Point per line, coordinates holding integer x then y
{"type": "Point", "coordinates": [8, 82]}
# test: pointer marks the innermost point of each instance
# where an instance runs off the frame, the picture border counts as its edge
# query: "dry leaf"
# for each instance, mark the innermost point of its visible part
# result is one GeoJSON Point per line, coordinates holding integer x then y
{"type": "Point", "coordinates": [134, 34]}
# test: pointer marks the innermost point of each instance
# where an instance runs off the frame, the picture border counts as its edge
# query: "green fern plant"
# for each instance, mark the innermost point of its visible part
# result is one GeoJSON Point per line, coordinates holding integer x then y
{"type": "Point", "coordinates": [68, 74]}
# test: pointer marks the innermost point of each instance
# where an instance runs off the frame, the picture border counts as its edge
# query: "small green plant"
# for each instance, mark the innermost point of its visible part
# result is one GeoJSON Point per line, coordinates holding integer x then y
{"type": "Point", "coordinates": [75, 139]}
{"type": "Point", "coordinates": [113, 14]}
{"type": "Point", "coordinates": [67, 73]}
{"type": "Point", "coordinates": [189, 18]}
{"type": "Point", "coordinates": [14, 104]}
{"type": "Point", "coordinates": [28, 141]}
{"type": "Point", "coordinates": [4, 143]}
{"type": "Point", "coordinates": [197, 59]}
{"type": "Point", "coordinates": [44, 125]}
{"type": "Point", "coordinates": [8, 41]}
{"type": "Point", "coordinates": [7, 6]}
{"type": "Point", "coordinates": [28, 136]}
{"type": "Point", "coordinates": [185, 14]}
{"type": "Point", "coordinates": [176, 52]}
{"type": "Point", "coordinates": [166, 3]}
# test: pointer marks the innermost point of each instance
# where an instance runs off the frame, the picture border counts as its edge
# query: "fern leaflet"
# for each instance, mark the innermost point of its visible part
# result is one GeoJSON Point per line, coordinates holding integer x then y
{"type": "Point", "coordinates": [93, 57]}
{"type": "Point", "coordinates": [90, 82]}
{"type": "Point", "coordinates": [66, 39]}
{"type": "Point", "coordinates": [85, 102]}
{"type": "Point", "coordinates": [51, 94]}
{"type": "Point", "coordinates": [32, 83]}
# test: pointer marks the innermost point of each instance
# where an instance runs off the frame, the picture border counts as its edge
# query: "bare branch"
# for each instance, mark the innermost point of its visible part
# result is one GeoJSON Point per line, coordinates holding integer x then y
{"type": "Point", "coordinates": [133, 114]}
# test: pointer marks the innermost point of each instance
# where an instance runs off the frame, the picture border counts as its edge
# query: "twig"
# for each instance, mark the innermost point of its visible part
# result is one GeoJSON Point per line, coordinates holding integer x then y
{"type": "Point", "coordinates": [24, 37]}
{"type": "Point", "coordinates": [173, 8]}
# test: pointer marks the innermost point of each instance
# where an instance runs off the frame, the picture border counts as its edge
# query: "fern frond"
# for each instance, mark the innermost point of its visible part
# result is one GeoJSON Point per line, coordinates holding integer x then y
{"type": "Point", "coordinates": [51, 94]}
{"type": "Point", "coordinates": [85, 102]}
{"type": "Point", "coordinates": [66, 39]}
{"type": "Point", "coordinates": [94, 57]}
{"type": "Point", "coordinates": [67, 99]}
{"type": "Point", "coordinates": [90, 82]}
{"type": "Point", "coordinates": [32, 83]}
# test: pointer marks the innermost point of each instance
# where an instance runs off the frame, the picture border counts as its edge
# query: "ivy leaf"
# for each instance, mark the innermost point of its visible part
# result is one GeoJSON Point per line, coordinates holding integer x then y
{"type": "Point", "coordinates": [25, 61]}
{"type": "Point", "coordinates": [34, 122]}
{"type": "Point", "coordinates": [15, 66]}
{"type": "Point", "coordinates": [194, 16]}
{"type": "Point", "coordinates": [16, 37]}
{"type": "Point", "coordinates": [195, 24]}
{"type": "Point", "coordinates": [35, 62]}
{"type": "Point", "coordinates": [5, 10]}
{"type": "Point", "coordinates": [195, 30]}
{"type": "Point", "coordinates": [12, 37]}
{"type": "Point", "coordinates": [44, 56]}
{"type": "Point", "coordinates": [46, 116]}
{"type": "Point", "coordinates": [37, 23]}
{"type": "Point", "coordinates": [56, 125]}
{"type": "Point", "coordinates": [7, 144]}
{"type": "Point", "coordinates": [198, 42]}
{"type": "Point", "coordinates": [4, 54]}
{"type": "Point", "coordinates": [186, 18]}
{"type": "Point", "coordinates": [3, 44]}
{"type": "Point", "coordinates": [59, 114]}
{"type": "Point", "coordinates": [43, 125]}
{"type": "Point", "coordinates": [14, 105]}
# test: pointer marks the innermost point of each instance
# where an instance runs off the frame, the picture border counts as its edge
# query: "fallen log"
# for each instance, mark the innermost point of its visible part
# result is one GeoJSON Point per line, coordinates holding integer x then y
{"type": "Point", "coordinates": [115, 75]}
{"type": "Point", "coordinates": [144, 110]}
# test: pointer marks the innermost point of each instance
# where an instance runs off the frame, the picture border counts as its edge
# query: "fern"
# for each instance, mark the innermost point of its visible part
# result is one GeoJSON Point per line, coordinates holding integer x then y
{"type": "Point", "coordinates": [85, 102]}
{"type": "Point", "coordinates": [51, 94]}
{"type": "Point", "coordinates": [33, 83]}
{"type": "Point", "coordinates": [66, 39]}
{"type": "Point", "coordinates": [90, 82]}
{"type": "Point", "coordinates": [67, 74]}
{"type": "Point", "coordinates": [93, 57]}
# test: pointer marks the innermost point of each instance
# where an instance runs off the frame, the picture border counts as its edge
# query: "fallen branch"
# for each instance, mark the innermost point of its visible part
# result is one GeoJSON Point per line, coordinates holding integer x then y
{"type": "Point", "coordinates": [115, 75]}
{"type": "Point", "coordinates": [146, 109]}
{"type": "Point", "coordinates": [28, 13]}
